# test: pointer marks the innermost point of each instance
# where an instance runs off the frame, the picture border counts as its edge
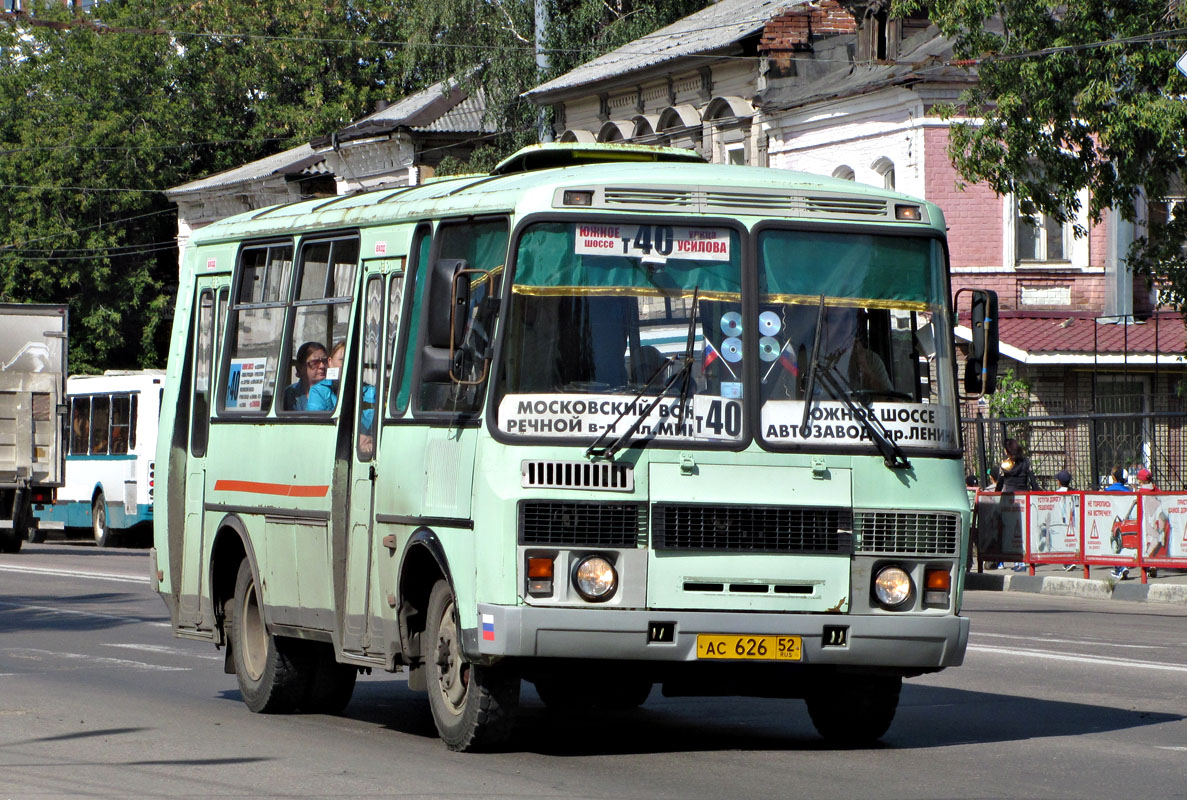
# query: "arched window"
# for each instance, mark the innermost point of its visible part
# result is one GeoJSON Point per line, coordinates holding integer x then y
{"type": "Point", "coordinates": [884, 167]}
{"type": "Point", "coordinates": [615, 131]}
{"type": "Point", "coordinates": [577, 135]}
{"type": "Point", "coordinates": [844, 172]}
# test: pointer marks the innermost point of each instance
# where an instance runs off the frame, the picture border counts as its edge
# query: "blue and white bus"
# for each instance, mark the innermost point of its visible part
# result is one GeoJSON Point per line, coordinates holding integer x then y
{"type": "Point", "coordinates": [110, 466]}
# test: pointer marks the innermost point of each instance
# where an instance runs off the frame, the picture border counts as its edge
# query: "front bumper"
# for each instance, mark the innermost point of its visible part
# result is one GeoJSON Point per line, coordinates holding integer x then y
{"type": "Point", "coordinates": [911, 642]}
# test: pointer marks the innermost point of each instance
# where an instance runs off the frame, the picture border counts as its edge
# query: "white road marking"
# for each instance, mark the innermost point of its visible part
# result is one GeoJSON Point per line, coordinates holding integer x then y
{"type": "Point", "coordinates": [170, 651]}
{"type": "Point", "coordinates": [74, 573]}
{"type": "Point", "coordinates": [1085, 642]}
{"type": "Point", "coordinates": [76, 612]}
{"type": "Point", "coordinates": [91, 661]}
{"type": "Point", "coordinates": [1171, 747]}
{"type": "Point", "coordinates": [1104, 662]}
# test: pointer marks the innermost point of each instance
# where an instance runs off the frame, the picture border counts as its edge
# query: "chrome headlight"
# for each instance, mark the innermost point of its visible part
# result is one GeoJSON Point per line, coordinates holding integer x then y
{"type": "Point", "coordinates": [892, 587]}
{"type": "Point", "coordinates": [595, 579]}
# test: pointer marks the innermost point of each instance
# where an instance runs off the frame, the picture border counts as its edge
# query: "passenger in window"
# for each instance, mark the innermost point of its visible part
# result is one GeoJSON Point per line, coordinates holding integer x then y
{"type": "Point", "coordinates": [323, 396]}
{"type": "Point", "coordinates": [312, 362]}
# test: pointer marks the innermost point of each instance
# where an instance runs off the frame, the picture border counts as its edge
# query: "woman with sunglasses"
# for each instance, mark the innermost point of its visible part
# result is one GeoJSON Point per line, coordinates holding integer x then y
{"type": "Point", "coordinates": [311, 370]}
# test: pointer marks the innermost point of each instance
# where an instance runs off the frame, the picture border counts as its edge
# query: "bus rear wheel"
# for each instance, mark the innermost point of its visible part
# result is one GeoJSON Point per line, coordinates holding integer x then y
{"type": "Point", "coordinates": [99, 527]}
{"type": "Point", "coordinates": [854, 710]}
{"type": "Point", "coordinates": [331, 684]}
{"type": "Point", "coordinates": [473, 705]}
{"type": "Point", "coordinates": [274, 673]}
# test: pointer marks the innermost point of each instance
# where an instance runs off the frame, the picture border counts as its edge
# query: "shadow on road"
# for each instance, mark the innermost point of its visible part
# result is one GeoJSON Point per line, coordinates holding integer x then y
{"type": "Point", "coordinates": [928, 717]}
{"type": "Point", "coordinates": [23, 613]}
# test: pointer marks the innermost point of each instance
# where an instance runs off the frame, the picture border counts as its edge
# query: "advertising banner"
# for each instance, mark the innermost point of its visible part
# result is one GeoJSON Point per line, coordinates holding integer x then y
{"type": "Point", "coordinates": [1053, 526]}
{"type": "Point", "coordinates": [1111, 527]}
{"type": "Point", "coordinates": [1000, 521]}
{"type": "Point", "coordinates": [1163, 528]}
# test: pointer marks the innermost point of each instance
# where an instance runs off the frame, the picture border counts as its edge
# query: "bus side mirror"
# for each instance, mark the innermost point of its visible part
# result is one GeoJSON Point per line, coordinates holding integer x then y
{"type": "Point", "coordinates": [447, 307]}
{"type": "Point", "coordinates": [980, 369]}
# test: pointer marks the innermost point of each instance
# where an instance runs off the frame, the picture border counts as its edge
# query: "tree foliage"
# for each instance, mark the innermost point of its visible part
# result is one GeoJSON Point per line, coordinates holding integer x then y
{"type": "Point", "coordinates": [1075, 95]}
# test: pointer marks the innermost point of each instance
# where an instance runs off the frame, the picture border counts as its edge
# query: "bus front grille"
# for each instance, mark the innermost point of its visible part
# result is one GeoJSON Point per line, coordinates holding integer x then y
{"type": "Point", "coordinates": [581, 524]}
{"type": "Point", "coordinates": [756, 529]}
{"type": "Point", "coordinates": [597, 476]}
{"type": "Point", "coordinates": [906, 532]}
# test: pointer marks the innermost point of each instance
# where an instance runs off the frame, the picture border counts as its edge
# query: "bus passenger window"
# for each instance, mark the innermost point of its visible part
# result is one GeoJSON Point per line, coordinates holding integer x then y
{"type": "Point", "coordinates": [120, 415]}
{"type": "Point", "coordinates": [100, 416]}
{"type": "Point", "coordinates": [257, 323]}
{"type": "Point", "coordinates": [80, 426]}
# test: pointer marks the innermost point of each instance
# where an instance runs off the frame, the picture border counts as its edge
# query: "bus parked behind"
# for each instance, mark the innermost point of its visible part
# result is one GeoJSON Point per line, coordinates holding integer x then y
{"type": "Point", "coordinates": [110, 461]}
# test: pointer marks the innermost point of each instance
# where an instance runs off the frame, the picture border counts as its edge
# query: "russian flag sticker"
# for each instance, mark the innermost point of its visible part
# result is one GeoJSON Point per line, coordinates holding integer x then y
{"type": "Point", "coordinates": [488, 627]}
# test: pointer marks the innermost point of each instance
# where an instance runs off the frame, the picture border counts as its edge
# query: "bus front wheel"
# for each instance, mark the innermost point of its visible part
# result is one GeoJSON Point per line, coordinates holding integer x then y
{"type": "Point", "coordinates": [99, 527]}
{"type": "Point", "coordinates": [274, 673]}
{"type": "Point", "coordinates": [854, 710]}
{"type": "Point", "coordinates": [473, 705]}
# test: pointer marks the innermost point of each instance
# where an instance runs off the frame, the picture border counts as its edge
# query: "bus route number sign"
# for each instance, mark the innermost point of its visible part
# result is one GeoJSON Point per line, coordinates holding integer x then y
{"type": "Point", "coordinates": [652, 241]}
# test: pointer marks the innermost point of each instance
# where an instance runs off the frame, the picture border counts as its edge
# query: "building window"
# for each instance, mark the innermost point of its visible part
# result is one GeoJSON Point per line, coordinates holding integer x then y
{"type": "Point", "coordinates": [1045, 239]}
{"type": "Point", "coordinates": [844, 172]}
{"type": "Point", "coordinates": [885, 167]}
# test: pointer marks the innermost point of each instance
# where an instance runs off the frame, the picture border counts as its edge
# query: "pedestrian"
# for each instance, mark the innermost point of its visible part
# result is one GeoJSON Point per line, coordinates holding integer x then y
{"type": "Point", "coordinates": [1064, 479]}
{"type": "Point", "coordinates": [1146, 482]}
{"type": "Point", "coordinates": [1016, 474]}
{"type": "Point", "coordinates": [1118, 485]}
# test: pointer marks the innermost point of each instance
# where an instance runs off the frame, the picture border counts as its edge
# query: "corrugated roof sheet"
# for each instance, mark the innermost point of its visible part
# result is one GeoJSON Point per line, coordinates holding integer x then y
{"type": "Point", "coordinates": [465, 117]}
{"type": "Point", "coordinates": [710, 29]}
{"type": "Point", "coordinates": [301, 159]}
{"type": "Point", "coordinates": [1083, 335]}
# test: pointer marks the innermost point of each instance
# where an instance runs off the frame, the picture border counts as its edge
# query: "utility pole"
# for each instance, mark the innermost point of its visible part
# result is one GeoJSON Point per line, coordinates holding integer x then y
{"type": "Point", "coordinates": [543, 128]}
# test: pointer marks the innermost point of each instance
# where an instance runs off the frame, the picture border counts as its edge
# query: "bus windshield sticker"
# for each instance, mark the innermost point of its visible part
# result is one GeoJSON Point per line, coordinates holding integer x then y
{"type": "Point", "coordinates": [832, 423]}
{"type": "Point", "coordinates": [245, 383]}
{"type": "Point", "coordinates": [576, 416]}
{"type": "Point", "coordinates": [652, 241]}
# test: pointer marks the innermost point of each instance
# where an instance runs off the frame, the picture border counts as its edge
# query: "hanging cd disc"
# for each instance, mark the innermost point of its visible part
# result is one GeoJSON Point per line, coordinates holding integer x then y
{"type": "Point", "coordinates": [769, 323]}
{"type": "Point", "coordinates": [768, 348]}
{"type": "Point", "coordinates": [731, 349]}
{"type": "Point", "coordinates": [731, 323]}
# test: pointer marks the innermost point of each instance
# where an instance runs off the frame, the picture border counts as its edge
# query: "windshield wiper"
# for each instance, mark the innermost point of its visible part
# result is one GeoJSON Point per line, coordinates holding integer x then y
{"type": "Point", "coordinates": [811, 387]}
{"type": "Point", "coordinates": [892, 455]}
{"type": "Point", "coordinates": [685, 371]}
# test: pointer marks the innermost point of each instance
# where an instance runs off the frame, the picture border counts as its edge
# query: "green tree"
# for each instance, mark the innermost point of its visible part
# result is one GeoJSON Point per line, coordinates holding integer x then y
{"type": "Point", "coordinates": [97, 120]}
{"type": "Point", "coordinates": [1075, 95]}
{"type": "Point", "coordinates": [1011, 399]}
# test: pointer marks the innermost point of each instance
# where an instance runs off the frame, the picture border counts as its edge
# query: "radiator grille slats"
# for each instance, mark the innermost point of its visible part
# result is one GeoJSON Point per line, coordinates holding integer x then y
{"type": "Point", "coordinates": [601, 475]}
{"type": "Point", "coordinates": [754, 529]}
{"type": "Point", "coordinates": [780, 204]}
{"type": "Point", "coordinates": [904, 532]}
{"type": "Point", "coordinates": [580, 524]}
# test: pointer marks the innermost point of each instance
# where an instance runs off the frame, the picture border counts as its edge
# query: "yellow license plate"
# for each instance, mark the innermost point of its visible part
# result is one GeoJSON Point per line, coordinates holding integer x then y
{"type": "Point", "coordinates": [759, 648]}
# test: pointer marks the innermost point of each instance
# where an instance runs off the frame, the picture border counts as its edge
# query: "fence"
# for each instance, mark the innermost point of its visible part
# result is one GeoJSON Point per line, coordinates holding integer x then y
{"type": "Point", "coordinates": [1088, 445]}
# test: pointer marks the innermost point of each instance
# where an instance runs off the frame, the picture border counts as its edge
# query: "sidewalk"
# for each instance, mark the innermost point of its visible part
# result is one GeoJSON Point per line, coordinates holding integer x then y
{"type": "Point", "coordinates": [1169, 587]}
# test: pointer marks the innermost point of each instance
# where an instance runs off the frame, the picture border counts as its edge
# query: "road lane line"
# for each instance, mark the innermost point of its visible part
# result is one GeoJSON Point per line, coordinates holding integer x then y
{"type": "Point", "coordinates": [73, 573]}
{"type": "Point", "coordinates": [1054, 656]}
{"type": "Point", "coordinates": [76, 612]}
{"type": "Point", "coordinates": [1085, 642]}
{"type": "Point", "coordinates": [101, 661]}
{"type": "Point", "coordinates": [162, 649]}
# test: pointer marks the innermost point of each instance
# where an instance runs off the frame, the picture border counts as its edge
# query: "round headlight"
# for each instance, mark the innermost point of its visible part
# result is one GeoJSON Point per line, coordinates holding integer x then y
{"type": "Point", "coordinates": [892, 586]}
{"type": "Point", "coordinates": [595, 578]}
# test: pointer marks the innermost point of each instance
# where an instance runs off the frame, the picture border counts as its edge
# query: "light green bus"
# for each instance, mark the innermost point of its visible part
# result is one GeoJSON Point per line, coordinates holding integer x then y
{"type": "Point", "coordinates": [606, 420]}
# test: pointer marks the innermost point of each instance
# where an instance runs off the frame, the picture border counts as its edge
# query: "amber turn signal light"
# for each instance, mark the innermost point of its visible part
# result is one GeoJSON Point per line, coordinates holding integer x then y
{"type": "Point", "coordinates": [938, 580]}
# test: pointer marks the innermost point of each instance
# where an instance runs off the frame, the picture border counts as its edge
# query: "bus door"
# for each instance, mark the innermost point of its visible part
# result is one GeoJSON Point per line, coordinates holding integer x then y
{"type": "Point", "coordinates": [206, 325]}
{"type": "Point", "coordinates": [374, 347]}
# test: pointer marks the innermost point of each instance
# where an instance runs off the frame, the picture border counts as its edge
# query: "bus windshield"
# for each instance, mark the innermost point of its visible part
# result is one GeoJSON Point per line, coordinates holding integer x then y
{"type": "Point", "coordinates": [870, 306]}
{"type": "Point", "coordinates": [599, 326]}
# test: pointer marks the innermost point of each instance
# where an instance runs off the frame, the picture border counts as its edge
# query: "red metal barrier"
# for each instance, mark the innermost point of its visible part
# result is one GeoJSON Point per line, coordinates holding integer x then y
{"type": "Point", "coordinates": [1089, 529]}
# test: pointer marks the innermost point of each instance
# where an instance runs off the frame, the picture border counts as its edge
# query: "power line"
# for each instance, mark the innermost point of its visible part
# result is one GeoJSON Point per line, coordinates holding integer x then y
{"type": "Point", "coordinates": [90, 228]}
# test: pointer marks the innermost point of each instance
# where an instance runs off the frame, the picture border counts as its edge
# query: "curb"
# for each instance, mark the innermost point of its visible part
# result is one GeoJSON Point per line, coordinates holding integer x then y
{"type": "Point", "coordinates": [1089, 589]}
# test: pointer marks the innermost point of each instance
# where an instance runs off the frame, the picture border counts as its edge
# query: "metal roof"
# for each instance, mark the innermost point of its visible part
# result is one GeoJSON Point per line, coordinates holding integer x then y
{"type": "Point", "coordinates": [710, 29]}
{"type": "Point", "coordinates": [301, 159]}
{"type": "Point", "coordinates": [1081, 338]}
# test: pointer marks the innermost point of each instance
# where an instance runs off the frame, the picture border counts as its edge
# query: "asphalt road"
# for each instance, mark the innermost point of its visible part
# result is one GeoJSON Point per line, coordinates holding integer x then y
{"type": "Point", "coordinates": [1058, 697]}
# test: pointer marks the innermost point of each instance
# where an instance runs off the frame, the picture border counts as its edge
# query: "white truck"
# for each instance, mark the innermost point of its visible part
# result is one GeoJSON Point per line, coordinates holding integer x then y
{"type": "Point", "coordinates": [32, 415]}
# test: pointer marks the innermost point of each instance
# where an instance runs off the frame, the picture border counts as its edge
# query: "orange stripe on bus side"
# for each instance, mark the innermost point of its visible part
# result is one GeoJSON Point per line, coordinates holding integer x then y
{"type": "Point", "coordinates": [281, 489]}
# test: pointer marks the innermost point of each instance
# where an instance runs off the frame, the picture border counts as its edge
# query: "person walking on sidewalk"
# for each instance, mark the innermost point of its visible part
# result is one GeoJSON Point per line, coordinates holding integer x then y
{"type": "Point", "coordinates": [1118, 485]}
{"type": "Point", "coordinates": [1064, 479]}
{"type": "Point", "coordinates": [1016, 474]}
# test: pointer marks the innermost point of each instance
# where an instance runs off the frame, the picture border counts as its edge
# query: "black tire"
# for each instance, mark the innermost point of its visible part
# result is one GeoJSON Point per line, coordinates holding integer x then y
{"type": "Point", "coordinates": [11, 541]}
{"type": "Point", "coordinates": [331, 684]}
{"type": "Point", "coordinates": [473, 705]}
{"type": "Point", "coordinates": [855, 710]}
{"type": "Point", "coordinates": [274, 673]}
{"type": "Point", "coordinates": [99, 527]}
{"type": "Point", "coordinates": [566, 693]}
